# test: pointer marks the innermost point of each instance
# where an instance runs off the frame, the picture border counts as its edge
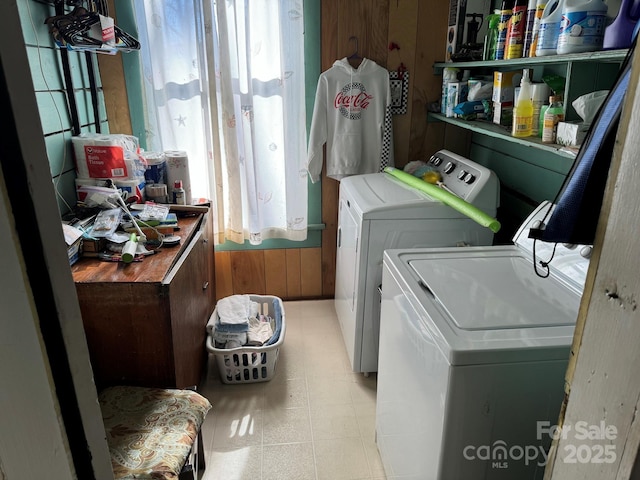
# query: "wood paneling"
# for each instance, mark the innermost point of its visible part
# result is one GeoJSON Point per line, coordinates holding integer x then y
{"type": "Point", "coordinates": [294, 289]}
{"type": "Point", "coordinates": [290, 274]}
{"type": "Point", "coordinates": [224, 275]}
{"type": "Point", "coordinates": [115, 88]}
{"type": "Point", "coordinates": [275, 262]}
{"type": "Point", "coordinates": [247, 270]}
{"type": "Point", "coordinates": [310, 274]}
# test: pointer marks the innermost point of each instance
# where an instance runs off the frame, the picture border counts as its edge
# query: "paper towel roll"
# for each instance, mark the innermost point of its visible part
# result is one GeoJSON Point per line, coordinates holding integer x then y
{"type": "Point", "coordinates": [462, 206]}
{"type": "Point", "coordinates": [178, 169]}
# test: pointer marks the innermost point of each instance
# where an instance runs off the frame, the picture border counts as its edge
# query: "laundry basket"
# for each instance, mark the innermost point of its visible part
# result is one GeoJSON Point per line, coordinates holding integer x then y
{"type": "Point", "coordinates": [251, 364]}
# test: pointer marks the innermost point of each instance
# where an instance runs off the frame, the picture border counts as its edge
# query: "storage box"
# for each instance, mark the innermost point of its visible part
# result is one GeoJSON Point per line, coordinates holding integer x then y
{"type": "Point", "coordinates": [455, 28]}
{"type": "Point", "coordinates": [73, 239]}
{"type": "Point", "coordinates": [571, 134]}
{"type": "Point", "coordinates": [503, 113]}
{"type": "Point", "coordinates": [504, 84]}
{"type": "Point", "coordinates": [251, 364]}
{"type": "Point", "coordinates": [456, 93]}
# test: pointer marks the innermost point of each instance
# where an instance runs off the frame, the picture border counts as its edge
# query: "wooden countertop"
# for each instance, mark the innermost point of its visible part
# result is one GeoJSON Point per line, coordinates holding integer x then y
{"type": "Point", "coordinates": [153, 268]}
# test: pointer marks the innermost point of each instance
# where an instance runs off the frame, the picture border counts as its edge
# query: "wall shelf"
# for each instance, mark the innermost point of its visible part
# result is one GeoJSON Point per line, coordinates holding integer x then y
{"type": "Point", "coordinates": [614, 56]}
{"type": "Point", "coordinates": [498, 131]}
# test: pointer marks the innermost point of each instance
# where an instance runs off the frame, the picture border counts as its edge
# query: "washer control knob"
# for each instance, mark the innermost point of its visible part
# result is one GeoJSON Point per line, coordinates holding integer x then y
{"type": "Point", "coordinates": [449, 167]}
{"type": "Point", "coordinates": [432, 159]}
{"type": "Point", "coordinates": [586, 251]}
{"type": "Point", "coordinates": [569, 246]}
{"type": "Point", "coordinates": [469, 178]}
{"type": "Point", "coordinates": [436, 160]}
{"type": "Point", "coordinates": [462, 174]}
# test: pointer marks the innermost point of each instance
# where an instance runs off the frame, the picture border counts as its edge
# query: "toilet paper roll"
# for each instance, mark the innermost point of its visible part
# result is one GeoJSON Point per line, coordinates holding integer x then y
{"type": "Point", "coordinates": [178, 169]}
{"type": "Point", "coordinates": [92, 161]}
{"type": "Point", "coordinates": [455, 202]}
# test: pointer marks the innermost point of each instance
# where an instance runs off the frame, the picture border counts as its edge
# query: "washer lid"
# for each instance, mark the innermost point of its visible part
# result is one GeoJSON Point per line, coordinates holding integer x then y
{"type": "Point", "coordinates": [496, 293]}
{"type": "Point", "coordinates": [381, 196]}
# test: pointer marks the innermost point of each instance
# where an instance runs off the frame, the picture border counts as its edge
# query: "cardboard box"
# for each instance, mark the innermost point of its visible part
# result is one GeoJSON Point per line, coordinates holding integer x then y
{"type": "Point", "coordinates": [456, 93]}
{"type": "Point", "coordinates": [505, 83]}
{"type": "Point", "coordinates": [73, 239]}
{"type": "Point", "coordinates": [503, 113]}
{"type": "Point", "coordinates": [458, 24]}
{"type": "Point", "coordinates": [571, 134]}
{"type": "Point", "coordinates": [455, 28]}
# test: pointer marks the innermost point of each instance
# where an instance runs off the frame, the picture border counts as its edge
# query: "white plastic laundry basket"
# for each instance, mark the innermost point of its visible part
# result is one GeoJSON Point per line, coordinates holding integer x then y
{"type": "Point", "coordinates": [250, 364]}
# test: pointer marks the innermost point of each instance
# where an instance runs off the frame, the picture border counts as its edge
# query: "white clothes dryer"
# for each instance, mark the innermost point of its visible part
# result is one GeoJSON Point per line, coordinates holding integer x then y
{"type": "Point", "coordinates": [378, 212]}
{"type": "Point", "coordinates": [474, 346]}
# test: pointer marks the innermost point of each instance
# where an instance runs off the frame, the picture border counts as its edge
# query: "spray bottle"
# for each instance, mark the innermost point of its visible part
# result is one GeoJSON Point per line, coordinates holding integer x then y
{"type": "Point", "coordinates": [503, 26]}
{"type": "Point", "coordinates": [523, 109]}
{"type": "Point", "coordinates": [516, 31]}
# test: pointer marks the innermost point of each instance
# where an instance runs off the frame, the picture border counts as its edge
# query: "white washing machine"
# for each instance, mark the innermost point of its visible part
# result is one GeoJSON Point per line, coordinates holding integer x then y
{"type": "Point", "coordinates": [474, 346]}
{"type": "Point", "coordinates": [377, 212]}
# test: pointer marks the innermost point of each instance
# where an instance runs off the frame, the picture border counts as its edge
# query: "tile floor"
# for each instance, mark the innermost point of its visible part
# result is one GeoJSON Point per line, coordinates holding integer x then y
{"type": "Point", "coordinates": [315, 419]}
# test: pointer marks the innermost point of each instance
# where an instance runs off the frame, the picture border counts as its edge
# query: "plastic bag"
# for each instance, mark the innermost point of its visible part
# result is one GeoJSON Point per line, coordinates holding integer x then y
{"type": "Point", "coordinates": [588, 105]}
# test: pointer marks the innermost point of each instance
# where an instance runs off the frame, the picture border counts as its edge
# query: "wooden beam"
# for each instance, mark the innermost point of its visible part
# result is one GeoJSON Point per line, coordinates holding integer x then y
{"type": "Point", "coordinates": [603, 385]}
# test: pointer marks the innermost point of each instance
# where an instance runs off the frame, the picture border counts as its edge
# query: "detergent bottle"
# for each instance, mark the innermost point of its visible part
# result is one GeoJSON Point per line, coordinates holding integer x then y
{"type": "Point", "coordinates": [620, 33]}
{"type": "Point", "coordinates": [535, 33]}
{"type": "Point", "coordinates": [582, 27]}
{"type": "Point", "coordinates": [549, 28]}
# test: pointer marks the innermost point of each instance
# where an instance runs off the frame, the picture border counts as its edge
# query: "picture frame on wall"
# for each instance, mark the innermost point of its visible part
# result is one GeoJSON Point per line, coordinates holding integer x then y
{"type": "Point", "coordinates": [399, 85]}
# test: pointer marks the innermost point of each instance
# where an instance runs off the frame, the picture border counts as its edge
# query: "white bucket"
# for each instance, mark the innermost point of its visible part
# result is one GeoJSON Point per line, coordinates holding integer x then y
{"type": "Point", "coordinates": [583, 26]}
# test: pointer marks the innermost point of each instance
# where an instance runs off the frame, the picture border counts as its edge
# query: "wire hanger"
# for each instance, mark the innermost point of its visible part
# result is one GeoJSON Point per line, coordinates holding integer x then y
{"type": "Point", "coordinates": [73, 31]}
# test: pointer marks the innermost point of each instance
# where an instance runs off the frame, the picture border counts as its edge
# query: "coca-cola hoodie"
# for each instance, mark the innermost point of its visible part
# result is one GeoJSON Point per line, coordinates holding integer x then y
{"type": "Point", "coordinates": [352, 115]}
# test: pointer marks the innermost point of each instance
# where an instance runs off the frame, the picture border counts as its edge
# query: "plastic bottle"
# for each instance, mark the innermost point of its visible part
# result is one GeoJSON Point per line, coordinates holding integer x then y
{"type": "Point", "coordinates": [549, 28]}
{"type": "Point", "coordinates": [491, 37]}
{"type": "Point", "coordinates": [582, 27]}
{"type": "Point", "coordinates": [543, 110]}
{"type": "Point", "coordinates": [553, 115]}
{"type": "Point", "coordinates": [516, 30]}
{"type": "Point", "coordinates": [503, 26]}
{"type": "Point", "coordinates": [540, 4]}
{"type": "Point", "coordinates": [523, 109]}
{"type": "Point", "coordinates": [620, 33]}
{"type": "Point", "coordinates": [528, 31]}
{"type": "Point", "coordinates": [179, 197]}
{"type": "Point", "coordinates": [539, 96]}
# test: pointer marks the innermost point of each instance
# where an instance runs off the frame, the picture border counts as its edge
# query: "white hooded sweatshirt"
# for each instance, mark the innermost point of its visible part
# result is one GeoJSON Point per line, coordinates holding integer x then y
{"type": "Point", "coordinates": [352, 115]}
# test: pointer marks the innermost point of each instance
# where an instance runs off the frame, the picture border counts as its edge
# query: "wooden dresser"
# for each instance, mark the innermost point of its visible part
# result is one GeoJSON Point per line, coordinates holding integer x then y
{"type": "Point", "coordinates": [145, 321]}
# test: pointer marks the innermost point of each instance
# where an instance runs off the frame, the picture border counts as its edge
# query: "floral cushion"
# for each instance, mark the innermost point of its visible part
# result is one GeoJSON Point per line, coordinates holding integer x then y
{"type": "Point", "coordinates": [150, 431]}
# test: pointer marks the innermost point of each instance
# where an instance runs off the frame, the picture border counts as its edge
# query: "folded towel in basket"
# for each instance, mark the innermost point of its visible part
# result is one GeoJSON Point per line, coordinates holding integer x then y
{"type": "Point", "coordinates": [236, 309]}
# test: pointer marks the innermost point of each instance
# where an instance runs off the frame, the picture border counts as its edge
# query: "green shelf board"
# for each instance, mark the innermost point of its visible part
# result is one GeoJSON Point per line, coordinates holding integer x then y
{"type": "Point", "coordinates": [497, 131]}
{"type": "Point", "coordinates": [601, 56]}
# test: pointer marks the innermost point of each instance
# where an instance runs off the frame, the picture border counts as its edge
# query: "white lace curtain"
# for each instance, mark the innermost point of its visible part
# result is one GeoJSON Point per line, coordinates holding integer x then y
{"type": "Point", "coordinates": [224, 81]}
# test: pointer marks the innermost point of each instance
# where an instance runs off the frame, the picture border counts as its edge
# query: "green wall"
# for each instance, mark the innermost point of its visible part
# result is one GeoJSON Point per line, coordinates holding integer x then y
{"type": "Point", "coordinates": [48, 83]}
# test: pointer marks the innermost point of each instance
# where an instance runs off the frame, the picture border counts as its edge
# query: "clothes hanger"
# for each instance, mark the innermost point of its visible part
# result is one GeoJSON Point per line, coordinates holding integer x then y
{"type": "Point", "coordinates": [354, 59]}
{"type": "Point", "coordinates": [72, 30]}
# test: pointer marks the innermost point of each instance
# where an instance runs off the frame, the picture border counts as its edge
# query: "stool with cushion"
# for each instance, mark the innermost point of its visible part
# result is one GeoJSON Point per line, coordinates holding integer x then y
{"type": "Point", "coordinates": [154, 433]}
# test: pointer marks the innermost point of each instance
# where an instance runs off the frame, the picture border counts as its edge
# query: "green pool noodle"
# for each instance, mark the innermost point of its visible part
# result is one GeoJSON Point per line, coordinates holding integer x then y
{"type": "Point", "coordinates": [457, 203]}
